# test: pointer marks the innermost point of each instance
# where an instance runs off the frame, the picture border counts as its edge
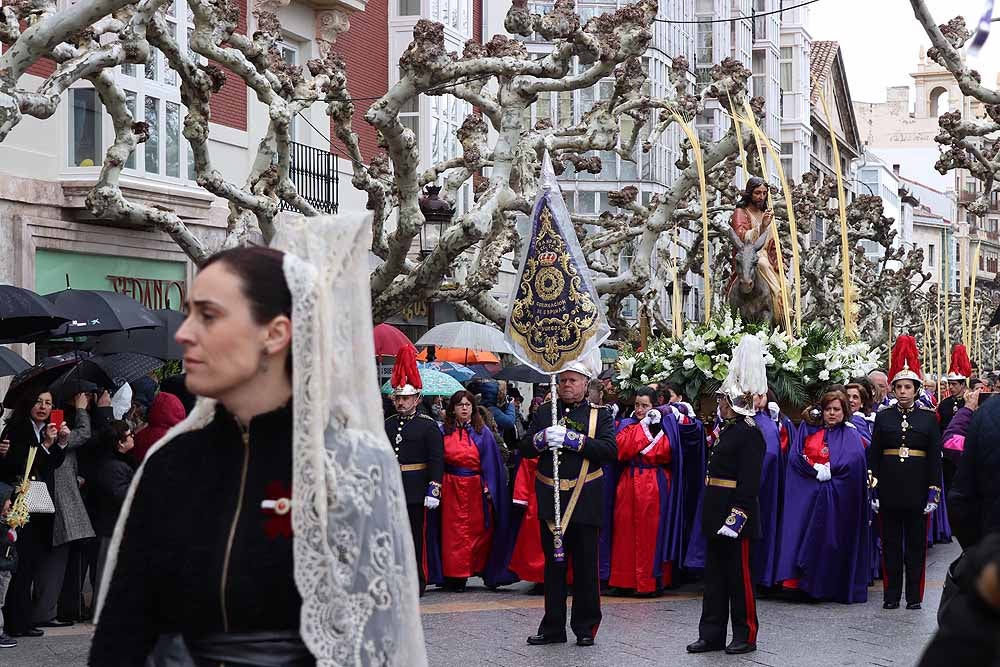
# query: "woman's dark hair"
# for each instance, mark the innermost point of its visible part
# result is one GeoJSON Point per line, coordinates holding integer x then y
{"type": "Point", "coordinates": [674, 387]}
{"type": "Point", "coordinates": [866, 397]}
{"type": "Point", "coordinates": [833, 396]}
{"type": "Point", "coordinates": [753, 183]}
{"type": "Point", "coordinates": [262, 282]}
{"type": "Point", "coordinates": [22, 409]}
{"type": "Point", "coordinates": [648, 392]}
{"type": "Point", "coordinates": [115, 432]}
{"type": "Point", "coordinates": [451, 422]}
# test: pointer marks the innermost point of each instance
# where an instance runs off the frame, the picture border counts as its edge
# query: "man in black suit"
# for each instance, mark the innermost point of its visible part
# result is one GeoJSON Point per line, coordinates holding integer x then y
{"type": "Point", "coordinates": [584, 438]}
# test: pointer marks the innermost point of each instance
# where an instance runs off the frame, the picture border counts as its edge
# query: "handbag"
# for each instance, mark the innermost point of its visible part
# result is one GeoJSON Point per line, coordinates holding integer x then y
{"type": "Point", "coordinates": [39, 498]}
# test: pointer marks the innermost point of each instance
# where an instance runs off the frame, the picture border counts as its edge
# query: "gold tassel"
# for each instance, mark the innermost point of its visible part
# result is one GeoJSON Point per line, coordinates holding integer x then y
{"type": "Point", "coordinates": [759, 140]}
{"type": "Point", "coordinates": [703, 198]}
{"type": "Point", "coordinates": [845, 259]}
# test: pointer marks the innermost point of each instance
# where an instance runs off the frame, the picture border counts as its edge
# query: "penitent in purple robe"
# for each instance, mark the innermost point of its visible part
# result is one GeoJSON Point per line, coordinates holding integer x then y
{"type": "Point", "coordinates": [825, 532]}
{"type": "Point", "coordinates": [764, 553]}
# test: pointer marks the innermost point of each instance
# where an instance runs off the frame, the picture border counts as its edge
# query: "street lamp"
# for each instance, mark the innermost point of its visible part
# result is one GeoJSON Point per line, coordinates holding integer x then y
{"type": "Point", "coordinates": [437, 215]}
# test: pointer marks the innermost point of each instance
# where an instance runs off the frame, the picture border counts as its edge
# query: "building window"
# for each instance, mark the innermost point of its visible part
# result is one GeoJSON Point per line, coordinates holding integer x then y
{"type": "Point", "coordinates": [290, 54]}
{"type": "Point", "coordinates": [85, 134]}
{"type": "Point", "coordinates": [409, 116]}
{"type": "Point", "coordinates": [930, 254]}
{"type": "Point", "coordinates": [759, 64]}
{"type": "Point", "coordinates": [785, 68]}
{"type": "Point", "coordinates": [409, 7]}
{"type": "Point", "coordinates": [152, 117]}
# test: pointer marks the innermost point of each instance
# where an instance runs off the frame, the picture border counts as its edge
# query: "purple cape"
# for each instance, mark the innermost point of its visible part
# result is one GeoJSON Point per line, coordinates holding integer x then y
{"type": "Point", "coordinates": [693, 484]}
{"type": "Point", "coordinates": [764, 553]}
{"type": "Point", "coordinates": [825, 532]}
{"type": "Point", "coordinates": [670, 535]}
{"type": "Point", "coordinates": [494, 480]}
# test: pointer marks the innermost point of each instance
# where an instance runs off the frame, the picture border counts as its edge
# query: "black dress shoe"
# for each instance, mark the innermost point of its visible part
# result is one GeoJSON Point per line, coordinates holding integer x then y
{"type": "Point", "coordinates": [736, 648]}
{"type": "Point", "coordinates": [55, 623]}
{"type": "Point", "coordinates": [584, 640]}
{"type": "Point", "coordinates": [702, 646]}
{"type": "Point", "coordinates": [890, 605]}
{"type": "Point", "coordinates": [537, 589]}
{"type": "Point", "coordinates": [30, 632]}
{"type": "Point", "coordinates": [542, 640]}
{"type": "Point", "coordinates": [913, 605]}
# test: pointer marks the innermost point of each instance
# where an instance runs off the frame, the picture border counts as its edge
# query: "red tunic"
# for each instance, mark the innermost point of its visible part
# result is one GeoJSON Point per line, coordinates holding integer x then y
{"type": "Point", "coordinates": [815, 450]}
{"type": "Point", "coordinates": [637, 510]}
{"type": "Point", "coordinates": [465, 539]}
{"type": "Point", "coordinates": [528, 561]}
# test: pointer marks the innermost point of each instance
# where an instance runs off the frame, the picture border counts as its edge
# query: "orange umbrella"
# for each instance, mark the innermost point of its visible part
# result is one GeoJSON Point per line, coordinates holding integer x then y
{"type": "Point", "coordinates": [460, 355]}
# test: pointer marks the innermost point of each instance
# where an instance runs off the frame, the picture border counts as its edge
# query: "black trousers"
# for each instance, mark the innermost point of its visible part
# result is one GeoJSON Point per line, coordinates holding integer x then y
{"type": "Point", "coordinates": [416, 513]}
{"type": "Point", "coordinates": [581, 544]}
{"type": "Point", "coordinates": [34, 540]}
{"type": "Point", "coordinates": [728, 592]}
{"type": "Point", "coordinates": [904, 545]}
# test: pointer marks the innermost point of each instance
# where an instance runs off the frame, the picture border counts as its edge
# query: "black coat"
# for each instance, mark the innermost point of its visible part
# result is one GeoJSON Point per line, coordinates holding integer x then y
{"type": "Point", "coordinates": [903, 483]}
{"type": "Point", "coordinates": [109, 481]}
{"type": "Point", "coordinates": [420, 443]}
{"type": "Point", "coordinates": [737, 456]}
{"type": "Point", "coordinates": [199, 553]}
{"type": "Point", "coordinates": [947, 409]}
{"type": "Point", "coordinates": [601, 449]}
{"type": "Point", "coordinates": [974, 497]}
{"type": "Point", "coordinates": [22, 437]}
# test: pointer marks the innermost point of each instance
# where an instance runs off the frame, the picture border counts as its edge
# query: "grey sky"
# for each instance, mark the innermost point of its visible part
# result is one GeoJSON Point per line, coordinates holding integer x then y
{"type": "Point", "coordinates": [881, 39]}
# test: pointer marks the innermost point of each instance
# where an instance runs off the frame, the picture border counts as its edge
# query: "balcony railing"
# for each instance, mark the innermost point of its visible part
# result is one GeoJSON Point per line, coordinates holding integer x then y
{"type": "Point", "coordinates": [314, 173]}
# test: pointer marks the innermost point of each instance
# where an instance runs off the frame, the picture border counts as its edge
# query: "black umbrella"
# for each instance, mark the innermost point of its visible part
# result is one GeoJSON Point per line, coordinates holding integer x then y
{"type": "Point", "coordinates": [94, 312]}
{"type": "Point", "coordinates": [11, 363]}
{"type": "Point", "coordinates": [522, 373]}
{"type": "Point", "coordinates": [40, 376]}
{"type": "Point", "coordinates": [109, 371]}
{"type": "Point", "coordinates": [25, 315]}
{"type": "Point", "coordinates": [157, 342]}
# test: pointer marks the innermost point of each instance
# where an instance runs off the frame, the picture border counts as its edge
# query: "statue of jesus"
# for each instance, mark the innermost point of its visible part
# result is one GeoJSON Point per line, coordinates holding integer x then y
{"type": "Point", "coordinates": [751, 218]}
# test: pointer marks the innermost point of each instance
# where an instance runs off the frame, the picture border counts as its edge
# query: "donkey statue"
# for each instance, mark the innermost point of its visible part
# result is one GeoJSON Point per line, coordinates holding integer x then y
{"type": "Point", "coordinates": [749, 294]}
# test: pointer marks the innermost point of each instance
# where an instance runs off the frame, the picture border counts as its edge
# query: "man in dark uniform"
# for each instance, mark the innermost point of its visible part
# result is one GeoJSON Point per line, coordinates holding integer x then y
{"type": "Point", "coordinates": [905, 460]}
{"type": "Point", "coordinates": [584, 436]}
{"type": "Point", "coordinates": [730, 516]}
{"type": "Point", "coordinates": [419, 448]}
{"type": "Point", "coordinates": [958, 376]}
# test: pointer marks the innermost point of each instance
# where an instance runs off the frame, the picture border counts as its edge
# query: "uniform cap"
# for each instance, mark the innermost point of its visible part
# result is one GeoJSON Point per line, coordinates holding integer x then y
{"type": "Point", "coordinates": [905, 361]}
{"type": "Point", "coordinates": [960, 368]}
{"type": "Point", "coordinates": [405, 376]}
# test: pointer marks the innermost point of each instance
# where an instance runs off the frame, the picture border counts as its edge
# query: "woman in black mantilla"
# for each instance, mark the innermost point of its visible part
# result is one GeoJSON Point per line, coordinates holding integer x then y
{"type": "Point", "coordinates": [204, 563]}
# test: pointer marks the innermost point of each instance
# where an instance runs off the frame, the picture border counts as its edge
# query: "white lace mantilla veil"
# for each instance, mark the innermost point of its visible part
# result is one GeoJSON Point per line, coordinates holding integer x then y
{"type": "Point", "coordinates": [354, 560]}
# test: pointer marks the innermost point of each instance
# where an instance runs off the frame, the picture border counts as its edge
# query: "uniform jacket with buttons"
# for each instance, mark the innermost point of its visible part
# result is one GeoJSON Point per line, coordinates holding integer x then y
{"type": "Point", "coordinates": [903, 482]}
{"type": "Point", "coordinates": [419, 442]}
{"type": "Point", "coordinates": [737, 456]}
{"type": "Point", "coordinates": [600, 449]}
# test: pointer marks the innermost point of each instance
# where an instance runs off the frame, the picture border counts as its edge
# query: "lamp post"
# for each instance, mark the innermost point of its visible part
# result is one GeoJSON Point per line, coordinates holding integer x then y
{"type": "Point", "coordinates": [437, 216]}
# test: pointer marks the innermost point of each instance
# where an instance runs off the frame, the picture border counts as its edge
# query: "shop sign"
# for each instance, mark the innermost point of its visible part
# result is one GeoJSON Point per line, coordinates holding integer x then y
{"type": "Point", "coordinates": [153, 293]}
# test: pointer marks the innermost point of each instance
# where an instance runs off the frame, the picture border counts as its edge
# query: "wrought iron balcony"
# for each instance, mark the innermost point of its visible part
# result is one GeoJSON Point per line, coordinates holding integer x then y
{"type": "Point", "coordinates": [314, 173]}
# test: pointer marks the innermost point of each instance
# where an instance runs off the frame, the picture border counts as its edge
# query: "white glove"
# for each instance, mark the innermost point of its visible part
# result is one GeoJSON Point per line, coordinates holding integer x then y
{"type": "Point", "coordinates": [431, 502]}
{"type": "Point", "coordinates": [930, 508]}
{"type": "Point", "coordinates": [875, 506]}
{"type": "Point", "coordinates": [822, 472]}
{"type": "Point", "coordinates": [555, 436]}
{"type": "Point", "coordinates": [652, 417]}
{"type": "Point", "coordinates": [728, 532]}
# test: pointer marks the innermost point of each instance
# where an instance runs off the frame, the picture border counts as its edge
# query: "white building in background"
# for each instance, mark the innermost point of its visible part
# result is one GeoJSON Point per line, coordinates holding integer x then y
{"type": "Point", "coordinates": [877, 179]}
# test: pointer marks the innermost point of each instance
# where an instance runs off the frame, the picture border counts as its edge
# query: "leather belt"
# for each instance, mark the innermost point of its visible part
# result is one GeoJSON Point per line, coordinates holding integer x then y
{"type": "Point", "coordinates": [412, 467]}
{"type": "Point", "coordinates": [567, 484]}
{"type": "Point", "coordinates": [718, 481]}
{"type": "Point", "coordinates": [903, 452]}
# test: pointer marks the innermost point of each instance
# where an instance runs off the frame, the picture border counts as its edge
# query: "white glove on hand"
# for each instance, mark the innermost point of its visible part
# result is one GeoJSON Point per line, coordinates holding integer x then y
{"type": "Point", "coordinates": [875, 506]}
{"type": "Point", "coordinates": [930, 508]}
{"type": "Point", "coordinates": [727, 532]}
{"type": "Point", "coordinates": [431, 503]}
{"type": "Point", "coordinates": [822, 472]}
{"type": "Point", "coordinates": [555, 436]}
{"type": "Point", "coordinates": [652, 417]}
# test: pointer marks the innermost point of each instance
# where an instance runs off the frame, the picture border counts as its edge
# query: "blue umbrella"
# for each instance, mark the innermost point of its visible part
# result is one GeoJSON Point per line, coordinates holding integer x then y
{"type": "Point", "coordinates": [435, 383]}
{"type": "Point", "coordinates": [451, 369]}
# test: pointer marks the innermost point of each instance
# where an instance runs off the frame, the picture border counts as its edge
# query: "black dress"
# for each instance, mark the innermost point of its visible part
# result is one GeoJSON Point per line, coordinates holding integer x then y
{"type": "Point", "coordinates": [200, 556]}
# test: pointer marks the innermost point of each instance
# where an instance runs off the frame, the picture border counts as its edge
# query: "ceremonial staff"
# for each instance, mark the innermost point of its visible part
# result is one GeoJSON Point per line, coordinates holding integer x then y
{"type": "Point", "coordinates": [555, 316]}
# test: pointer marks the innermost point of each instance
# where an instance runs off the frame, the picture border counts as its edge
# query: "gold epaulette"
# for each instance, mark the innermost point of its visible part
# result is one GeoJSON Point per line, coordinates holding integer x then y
{"type": "Point", "coordinates": [750, 422]}
{"type": "Point", "coordinates": [421, 414]}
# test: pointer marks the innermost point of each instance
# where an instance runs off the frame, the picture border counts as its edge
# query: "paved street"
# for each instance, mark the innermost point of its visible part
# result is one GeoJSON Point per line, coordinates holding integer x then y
{"type": "Point", "coordinates": [485, 628]}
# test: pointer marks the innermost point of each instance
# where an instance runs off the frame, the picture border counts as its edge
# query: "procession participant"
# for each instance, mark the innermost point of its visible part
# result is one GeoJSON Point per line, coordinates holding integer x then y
{"type": "Point", "coordinates": [474, 502]}
{"type": "Point", "coordinates": [416, 440]}
{"type": "Point", "coordinates": [730, 515]}
{"type": "Point", "coordinates": [958, 376]}
{"type": "Point", "coordinates": [786, 428]}
{"type": "Point", "coordinates": [688, 465]}
{"type": "Point", "coordinates": [880, 381]}
{"type": "Point", "coordinates": [764, 552]}
{"type": "Point", "coordinates": [905, 459]}
{"type": "Point", "coordinates": [647, 494]}
{"type": "Point", "coordinates": [584, 436]}
{"type": "Point", "coordinates": [860, 411]}
{"type": "Point", "coordinates": [863, 418]}
{"type": "Point", "coordinates": [527, 560]}
{"type": "Point", "coordinates": [825, 529]}
{"type": "Point", "coordinates": [274, 507]}
{"type": "Point", "coordinates": [752, 218]}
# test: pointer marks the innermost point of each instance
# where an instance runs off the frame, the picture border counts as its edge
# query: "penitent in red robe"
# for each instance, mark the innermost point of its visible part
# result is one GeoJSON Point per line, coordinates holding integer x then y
{"type": "Point", "coordinates": [465, 536]}
{"type": "Point", "coordinates": [641, 506]}
{"type": "Point", "coordinates": [528, 561]}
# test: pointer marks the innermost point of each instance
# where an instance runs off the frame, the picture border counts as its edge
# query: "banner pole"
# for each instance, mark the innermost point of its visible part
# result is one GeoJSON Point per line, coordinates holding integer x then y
{"type": "Point", "coordinates": [558, 553]}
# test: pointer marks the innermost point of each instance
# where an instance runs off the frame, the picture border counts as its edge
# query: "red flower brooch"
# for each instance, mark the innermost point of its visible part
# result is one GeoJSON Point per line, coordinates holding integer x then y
{"type": "Point", "coordinates": [278, 506]}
